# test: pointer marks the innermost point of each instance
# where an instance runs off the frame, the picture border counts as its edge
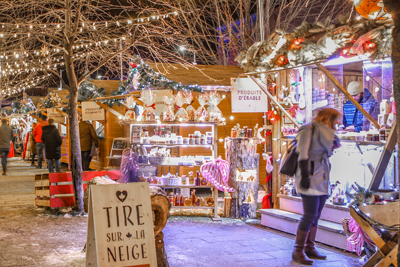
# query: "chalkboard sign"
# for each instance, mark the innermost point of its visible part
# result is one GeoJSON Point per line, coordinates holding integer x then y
{"type": "Point", "coordinates": [120, 226]}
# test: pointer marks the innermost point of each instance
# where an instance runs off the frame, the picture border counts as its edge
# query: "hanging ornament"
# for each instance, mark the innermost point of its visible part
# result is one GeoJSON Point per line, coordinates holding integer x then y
{"type": "Point", "coordinates": [217, 173]}
{"type": "Point", "coordinates": [133, 65]}
{"type": "Point", "coordinates": [366, 7]}
{"type": "Point", "coordinates": [282, 61]}
{"type": "Point", "coordinates": [44, 51]}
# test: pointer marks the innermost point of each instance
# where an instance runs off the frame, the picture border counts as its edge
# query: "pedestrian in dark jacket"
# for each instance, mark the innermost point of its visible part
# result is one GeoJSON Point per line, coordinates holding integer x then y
{"type": "Point", "coordinates": [52, 141]}
{"type": "Point", "coordinates": [87, 137]}
{"type": "Point", "coordinates": [6, 135]}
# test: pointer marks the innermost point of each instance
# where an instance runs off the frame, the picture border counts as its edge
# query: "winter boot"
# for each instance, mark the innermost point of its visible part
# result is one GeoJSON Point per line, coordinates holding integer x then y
{"type": "Point", "coordinates": [298, 252]}
{"type": "Point", "coordinates": [310, 250]}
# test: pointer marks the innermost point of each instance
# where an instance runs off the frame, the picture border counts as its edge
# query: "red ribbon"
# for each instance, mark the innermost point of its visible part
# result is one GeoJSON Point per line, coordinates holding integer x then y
{"type": "Point", "coordinates": [177, 107]}
{"type": "Point", "coordinates": [151, 106]}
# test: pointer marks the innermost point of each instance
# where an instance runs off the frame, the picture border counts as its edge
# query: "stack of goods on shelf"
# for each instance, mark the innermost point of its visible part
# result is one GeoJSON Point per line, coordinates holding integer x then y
{"type": "Point", "coordinates": [168, 114]}
{"type": "Point", "coordinates": [244, 132]}
{"type": "Point", "coordinates": [178, 200]}
{"type": "Point", "coordinates": [197, 138]}
{"type": "Point", "coordinates": [181, 115]}
{"type": "Point", "coordinates": [149, 99]}
{"type": "Point", "coordinates": [159, 156]}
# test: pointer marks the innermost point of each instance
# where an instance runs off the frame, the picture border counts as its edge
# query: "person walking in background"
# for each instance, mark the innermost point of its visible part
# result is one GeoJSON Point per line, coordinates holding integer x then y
{"type": "Point", "coordinates": [37, 134]}
{"type": "Point", "coordinates": [88, 137]}
{"type": "Point", "coordinates": [316, 142]}
{"type": "Point", "coordinates": [6, 136]}
{"type": "Point", "coordinates": [52, 141]}
{"type": "Point", "coordinates": [33, 145]}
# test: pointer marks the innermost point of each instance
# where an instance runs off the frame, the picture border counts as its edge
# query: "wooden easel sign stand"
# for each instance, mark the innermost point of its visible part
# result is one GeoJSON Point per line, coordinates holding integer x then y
{"type": "Point", "coordinates": [120, 226]}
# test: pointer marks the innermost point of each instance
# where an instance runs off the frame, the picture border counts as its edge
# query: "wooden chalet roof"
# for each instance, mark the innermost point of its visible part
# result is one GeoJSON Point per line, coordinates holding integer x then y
{"type": "Point", "coordinates": [204, 75]}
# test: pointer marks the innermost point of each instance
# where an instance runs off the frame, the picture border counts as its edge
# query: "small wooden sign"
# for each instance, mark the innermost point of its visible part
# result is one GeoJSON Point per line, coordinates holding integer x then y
{"type": "Point", "coordinates": [53, 114]}
{"type": "Point", "coordinates": [92, 112]}
{"type": "Point", "coordinates": [120, 226]}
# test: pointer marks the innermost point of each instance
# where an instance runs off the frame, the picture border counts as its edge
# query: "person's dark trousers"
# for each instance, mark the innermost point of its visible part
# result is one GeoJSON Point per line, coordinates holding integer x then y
{"type": "Point", "coordinates": [86, 158]}
{"type": "Point", "coordinates": [312, 208]}
{"type": "Point", "coordinates": [40, 150]}
{"type": "Point", "coordinates": [33, 159]}
{"type": "Point", "coordinates": [4, 154]}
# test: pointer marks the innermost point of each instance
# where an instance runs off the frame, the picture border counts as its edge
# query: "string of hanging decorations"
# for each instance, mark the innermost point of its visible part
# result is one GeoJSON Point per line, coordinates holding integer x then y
{"type": "Point", "coordinates": [93, 25]}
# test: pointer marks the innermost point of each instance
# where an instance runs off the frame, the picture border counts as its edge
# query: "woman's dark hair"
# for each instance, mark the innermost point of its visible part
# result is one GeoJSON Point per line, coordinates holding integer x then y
{"type": "Point", "coordinates": [328, 116]}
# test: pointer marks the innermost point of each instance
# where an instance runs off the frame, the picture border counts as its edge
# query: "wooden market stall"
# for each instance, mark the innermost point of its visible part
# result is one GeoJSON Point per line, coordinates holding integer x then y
{"type": "Point", "coordinates": [311, 69]}
{"type": "Point", "coordinates": [215, 78]}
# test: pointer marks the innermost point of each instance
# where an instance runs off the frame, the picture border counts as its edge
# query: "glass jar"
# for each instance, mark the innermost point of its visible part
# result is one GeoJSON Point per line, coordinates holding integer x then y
{"type": "Point", "coordinates": [191, 139]}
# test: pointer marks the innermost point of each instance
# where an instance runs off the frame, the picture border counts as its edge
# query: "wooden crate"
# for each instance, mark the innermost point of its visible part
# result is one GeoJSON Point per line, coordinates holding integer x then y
{"type": "Point", "coordinates": [56, 190]}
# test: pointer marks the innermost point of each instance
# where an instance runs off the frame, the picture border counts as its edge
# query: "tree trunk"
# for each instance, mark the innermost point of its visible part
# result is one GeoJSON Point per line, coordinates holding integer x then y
{"type": "Point", "coordinates": [393, 8]}
{"type": "Point", "coordinates": [76, 163]}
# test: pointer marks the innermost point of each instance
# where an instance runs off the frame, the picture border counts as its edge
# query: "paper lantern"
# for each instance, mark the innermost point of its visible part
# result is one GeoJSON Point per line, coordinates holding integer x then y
{"type": "Point", "coordinates": [366, 7]}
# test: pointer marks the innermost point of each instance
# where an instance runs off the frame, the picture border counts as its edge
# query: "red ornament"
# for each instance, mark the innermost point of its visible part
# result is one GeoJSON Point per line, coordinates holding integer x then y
{"type": "Point", "coordinates": [296, 44]}
{"type": "Point", "coordinates": [282, 61]}
{"type": "Point", "coordinates": [133, 65]}
{"type": "Point", "coordinates": [368, 46]}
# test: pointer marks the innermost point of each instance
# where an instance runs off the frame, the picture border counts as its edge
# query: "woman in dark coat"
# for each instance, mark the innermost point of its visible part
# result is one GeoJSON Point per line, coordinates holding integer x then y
{"type": "Point", "coordinates": [52, 141]}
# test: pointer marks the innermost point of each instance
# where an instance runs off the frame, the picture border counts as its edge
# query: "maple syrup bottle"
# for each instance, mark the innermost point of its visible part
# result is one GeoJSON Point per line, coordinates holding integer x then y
{"type": "Point", "coordinates": [181, 201]}
{"type": "Point", "coordinates": [176, 200]}
{"type": "Point", "coordinates": [197, 180]}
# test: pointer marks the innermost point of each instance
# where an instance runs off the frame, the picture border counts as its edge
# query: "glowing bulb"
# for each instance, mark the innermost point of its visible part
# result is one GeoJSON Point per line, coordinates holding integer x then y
{"type": "Point", "coordinates": [359, 17]}
{"type": "Point", "coordinates": [367, 78]}
{"type": "Point", "coordinates": [231, 117]}
{"type": "Point", "coordinates": [221, 140]}
{"type": "Point", "coordinates": [180, 119]}
{"type": "Point", "coordinates": [377, 89]}
{"type": "Point", "coordinates": [182, 48]}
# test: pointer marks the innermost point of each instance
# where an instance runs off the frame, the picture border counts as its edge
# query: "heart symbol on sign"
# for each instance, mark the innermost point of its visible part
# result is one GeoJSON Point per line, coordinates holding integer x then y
{"type": "Point", "coordinates": [122, 195]}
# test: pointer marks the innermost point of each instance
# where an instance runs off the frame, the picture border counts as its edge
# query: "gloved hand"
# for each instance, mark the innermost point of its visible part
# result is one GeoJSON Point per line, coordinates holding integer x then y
{"type": "Point", "coordinates": [305, 175]}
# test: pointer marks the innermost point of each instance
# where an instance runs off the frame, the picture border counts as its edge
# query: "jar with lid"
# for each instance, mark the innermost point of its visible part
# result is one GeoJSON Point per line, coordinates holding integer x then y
{"type": "Point", "coordinates": [203, 140]}
{"type": "Point", "coordinates": [249, 133]}
{"type": "Point", "coordinates": [191, 139]}
{"type": "Point", "coordinates": [234, 132]}
{"type": "Point", "coordinates": [197, 140]}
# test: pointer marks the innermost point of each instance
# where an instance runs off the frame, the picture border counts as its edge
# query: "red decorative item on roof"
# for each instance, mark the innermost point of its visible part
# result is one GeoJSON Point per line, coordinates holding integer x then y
{"type": "Point", "coordinates": [133, 65]}
{"type": "Point", "coordinates": [282, 61]}
{"type": "Point", "coordinates": [296, 44]}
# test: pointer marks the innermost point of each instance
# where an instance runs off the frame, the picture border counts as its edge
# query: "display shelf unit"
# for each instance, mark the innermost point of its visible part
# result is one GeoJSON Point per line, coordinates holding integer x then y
{"type": "Point", "coordinates": [213, 147]}
{"type": "Point", "coordinates": [175, 165]}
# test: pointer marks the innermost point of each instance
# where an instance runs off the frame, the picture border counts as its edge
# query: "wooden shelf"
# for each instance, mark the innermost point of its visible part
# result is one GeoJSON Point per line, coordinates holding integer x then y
{"type": "Point", "coordinates": [172, 145]}
{"type": "Point", "coordinates": [177, 165]}
{"type": "Point", "coordinates": [377, 143]}
{"type": "Point", "coordinates": [154, 123]}
{"type": "Point", "coordinates": [182, 186]}
{"type": "Point", "coordinates": [192, 207]}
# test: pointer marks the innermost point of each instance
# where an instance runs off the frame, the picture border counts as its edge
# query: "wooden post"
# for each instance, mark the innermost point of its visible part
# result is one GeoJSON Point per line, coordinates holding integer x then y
{"type": "Point", "coordinates": [35, 117]}
{"type": "Point", "coordinates": [344, 91]}
{"type": "Point", "coordinates": [61, 112]}
{"type": "Point", "coordinates": [113, 111]}
{"type": "Point", "coordinates": [384, 160]}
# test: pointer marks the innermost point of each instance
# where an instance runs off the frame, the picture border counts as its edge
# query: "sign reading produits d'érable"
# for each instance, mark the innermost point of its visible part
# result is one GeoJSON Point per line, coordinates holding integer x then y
{"type": "Point", "coordinates": [247, 96]}
{"type": "Point", "coordinates": [120, 226]}
{"type": "Point", "coordinates": [92, 112]}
